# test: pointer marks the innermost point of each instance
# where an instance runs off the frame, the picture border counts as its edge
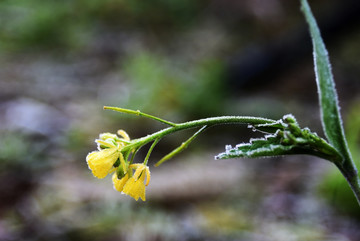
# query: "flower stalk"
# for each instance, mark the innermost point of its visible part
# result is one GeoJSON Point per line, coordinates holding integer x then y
{"type": "Point", "coordinates": [208, 122]}
{"type": "Point", "coordinates": [114, 151]}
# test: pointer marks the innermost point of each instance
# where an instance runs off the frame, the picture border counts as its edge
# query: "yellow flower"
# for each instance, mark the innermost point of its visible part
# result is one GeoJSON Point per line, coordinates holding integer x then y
{"type": "Point", "coordinates": [119, 183]}
{"type": "Point", "coordinates": [101, 162]}
{"type": "Point", "coordinates": [110, 156]}
{"type": "Point", "coordinates": [135, 186]}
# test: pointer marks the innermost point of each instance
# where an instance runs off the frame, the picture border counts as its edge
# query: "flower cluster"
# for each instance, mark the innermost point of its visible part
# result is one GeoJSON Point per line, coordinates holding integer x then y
{"type": "Point", "coordinates": [112, 156]}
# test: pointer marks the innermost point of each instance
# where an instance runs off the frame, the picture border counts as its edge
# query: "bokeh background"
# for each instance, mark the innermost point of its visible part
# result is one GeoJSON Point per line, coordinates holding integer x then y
{"type": "Point", "coordinates": [62, 61]}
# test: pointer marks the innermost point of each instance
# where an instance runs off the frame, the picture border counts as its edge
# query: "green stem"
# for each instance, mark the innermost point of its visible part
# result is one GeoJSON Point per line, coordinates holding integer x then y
{"type": "Point", "coordinates": [351, 176]}
{"type": "Point", "coordinates": [139, 113]}
{"type": "Point", "coordinates": [180, 148]}
{"type": "Point", "coordinates": [150, 150]}
{"type": "Point", "coordinates": [198, 123]}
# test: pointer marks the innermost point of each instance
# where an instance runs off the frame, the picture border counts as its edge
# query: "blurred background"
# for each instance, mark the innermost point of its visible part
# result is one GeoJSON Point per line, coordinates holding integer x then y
{"type": "Point", "coordinates": [62, 61]}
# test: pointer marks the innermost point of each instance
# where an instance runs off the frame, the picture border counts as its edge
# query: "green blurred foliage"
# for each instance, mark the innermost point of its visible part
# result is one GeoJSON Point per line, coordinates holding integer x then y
{"type": "Point", "coordinates": [70, 24]}
{"type": "Point", "coordinates": [13, 147]}
{"type": "Point", "coordinates": [161, 86]}
{"type": "Point", "coordinates": [18, 150]}
{"type": "Point", "coordinates": [205, 91]}
{"type": "Point", "coordinates": [154, 84]}
{"type": "Point", "coordinates": [75, 141]}
{"type": "Point", "coordinates": [38, 24]}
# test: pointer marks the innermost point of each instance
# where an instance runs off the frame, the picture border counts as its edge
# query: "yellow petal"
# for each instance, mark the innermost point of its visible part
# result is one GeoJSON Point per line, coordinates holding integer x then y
{"type": "Point", "coordinates": [136, 165]}
{"type": "Point", "coordinates": [123, 162]}
{"type": "Point", "coordinates": [124, 135]}
{"type": "Point", "coordinates": [139, 169]}
{"type": "Point", "coordinates": [119, 183]}
{"type": "Point", "coordinates": [107, 144]}
{"type": "Point", "coordinates": [101, 162]}
{"type": "Point", "coordinates": [134, 188]}
{"type": "Point", "coordinates": [147, 171]}
{"type": "Point", "coordinates": [107, 135]}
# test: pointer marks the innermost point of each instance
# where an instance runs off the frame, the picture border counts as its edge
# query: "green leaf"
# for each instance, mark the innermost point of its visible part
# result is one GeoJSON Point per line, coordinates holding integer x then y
{"type": "Point", "coordinates": [330, 114]}
{"type": "Point", "coordinates": [288, 139]}
{"type": "Point", "coordinates": [264, 147]}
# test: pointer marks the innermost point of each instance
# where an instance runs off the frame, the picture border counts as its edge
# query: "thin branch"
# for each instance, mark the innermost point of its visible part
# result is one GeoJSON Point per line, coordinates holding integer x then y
{"type": "Point", "coordinates": [139, 113]}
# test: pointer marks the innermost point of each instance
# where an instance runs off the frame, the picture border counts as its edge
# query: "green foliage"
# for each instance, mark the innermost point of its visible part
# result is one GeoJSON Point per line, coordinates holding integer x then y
{"type": "Point", "coordinates": [329, 106]}
{"type": "Point", "coordinates": [162, 13]}
{"type": "Point", "coordinates": [286, 135]}
{"type": "Point", "coordinates": [206, 79]}
{"type": "Point", "coordinates": [20, 150]}
{"type": "Point", "coordinates": [70, 24]}
{"type": "Point", "coordinates": [288, 139]}
{"type": "Point", "coordinates": [154, 82]}
{"type": "Point", "coordinates": [12, 147]}
{"type": "Point", "coordinates": [38, 23]}
{"type": "Point", "coordinates": [162, 86]}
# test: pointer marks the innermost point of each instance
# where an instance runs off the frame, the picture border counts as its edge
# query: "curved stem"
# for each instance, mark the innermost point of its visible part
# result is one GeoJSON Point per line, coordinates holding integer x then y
{"type": "Point", "coordinates": [150, 150]}
{"type": "Point", "coordinates": [198, 123]}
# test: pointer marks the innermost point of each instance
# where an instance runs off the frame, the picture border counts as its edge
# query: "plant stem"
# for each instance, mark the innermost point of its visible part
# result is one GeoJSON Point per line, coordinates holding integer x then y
{"type": "Point", "coordinates": [139, 113]}
{"type": "Point", "coordinates": [180, 148]}
{"type": "Point", "coordinates": [351, 176]}
{"type": "Point", "coordinates": [198, 123]}
{"type": "Point", "coordinates": [150, 150]}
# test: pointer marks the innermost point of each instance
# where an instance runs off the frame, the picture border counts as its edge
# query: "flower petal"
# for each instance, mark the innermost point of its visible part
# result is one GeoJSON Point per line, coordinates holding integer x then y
{"type": "Point", "coordinates": [135, 189]}
{"type": "Point", "coordinates": [147, 171]}
{"type": "Point", "coordinates": [107, 135]}
{"type": "Point", "coordinates": [138, 171]}
{"type": "Point", "coordinates": [119, 183]}
{"type": "Point", "coordinates": [104, 144]}
{"type": "Point", "coordinates": [123, 134]}
{"type": "Point", "coordinates": [101, 162]}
